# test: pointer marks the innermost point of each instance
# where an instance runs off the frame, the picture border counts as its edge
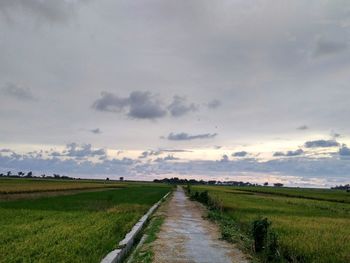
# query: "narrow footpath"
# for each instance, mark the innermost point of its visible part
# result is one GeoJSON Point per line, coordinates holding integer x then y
{"type": "Point", "coordinates": [186, 237]}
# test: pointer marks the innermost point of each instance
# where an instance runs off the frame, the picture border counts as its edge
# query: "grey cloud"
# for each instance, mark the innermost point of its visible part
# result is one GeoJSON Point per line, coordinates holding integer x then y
{"type": "Point", "coordinates": [321, 144]}
{"type": "Point", "coordinates": [303, 127]}
{"type": "Point", "coordinates": [5, 151]}
{"type": "Point", "coordinates": [71, 166]}
{"type": "Point", "coordinates": [336, 135]}
{"type": "Point", "coordinates": [110, 102]}
{"type": "Point", "coordinates": [149, 153]}
{"type": "Point", "coordinates": [344, 151]}
{"type": "Point", "coordinates": [214, 104]}
{"type": "Point", "coordinates": [167, 158]}
{"type": "Point", "coordinates": [329, 47]}
{"type": "Point", "coordinates": [53, 11]}
{"type": "Point", "coordinates": [240, 154]}
{"type": "Point", "coordinates": [143, 105]}
{"type": "Point", "coordinates": [13, 90]}
{"type": "Point", "coordinates": [81, 151]}
{"type": "Point", "coordinates": [289, 153]}
{"type": "Point", "coordinates": [146, 154]}
{"type": "Point", "coordinates": [56, 154]}
{"type": "Point", "coordinates": [35, 154]}
{"type": "Point", "coordinates": [186, 137]}
{"type": "Point", "coordinates": [175, 150]}
{"type": "Point", "coordinates": [139, 105]}
{"type": "Point", "coordinates": [84, 150]}
{"type": "Point", "coordinates": [96, 131]}
{"type": "Point", "coordinates": [224, 158]}
{"type": "Point", "coordinates": [179, 106]}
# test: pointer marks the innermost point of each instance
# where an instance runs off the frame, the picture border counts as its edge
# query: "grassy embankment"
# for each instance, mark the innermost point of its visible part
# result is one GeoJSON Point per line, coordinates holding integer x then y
{"type": "Point", "coordinates": [309, 228]}
{"type": "Point", "coordinates": [80, 227]}
{"type": "Point", "coordinates": [144, 253]}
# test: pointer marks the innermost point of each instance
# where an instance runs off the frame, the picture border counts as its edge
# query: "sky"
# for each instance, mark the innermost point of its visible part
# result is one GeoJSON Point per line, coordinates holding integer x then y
{"type": "Point", "coordinates": [245, 90]}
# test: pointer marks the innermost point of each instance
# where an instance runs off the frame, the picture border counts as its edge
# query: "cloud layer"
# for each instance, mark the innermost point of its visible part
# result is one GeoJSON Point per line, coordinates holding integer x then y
{"type": "Point", "coordinates": [80, 159]}
{"type": "Point", "coordinates": [265, 83]}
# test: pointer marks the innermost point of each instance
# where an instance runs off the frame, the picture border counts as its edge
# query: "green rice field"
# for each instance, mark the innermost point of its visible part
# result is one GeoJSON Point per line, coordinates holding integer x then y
{"type": "Point", "coordinates": [23, 185]}
{"type": "Point", "coordinates": [76, 227]}
{"type": "Point", "coordinates": [312, 225]}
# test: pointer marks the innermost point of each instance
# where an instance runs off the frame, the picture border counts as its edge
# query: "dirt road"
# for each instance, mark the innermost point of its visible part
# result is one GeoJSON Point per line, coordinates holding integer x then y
{"type": "Point", "coordinates": [186, 237]}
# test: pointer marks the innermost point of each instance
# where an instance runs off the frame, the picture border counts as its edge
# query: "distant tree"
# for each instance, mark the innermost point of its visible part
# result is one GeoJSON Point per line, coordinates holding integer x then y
{"type": "Point", "coordinates": [342, 187]}
{"type": "Point", "coordinates": [278, 185]}
{"type": "Point", "coordinates": [9, 173]}
{"type": "Point", "coordinates": [1, 174]}
{"type": "Point", "coordinates": [43, 175]}
{"type": "Point", "coordinates": [266, 184]}
{"type": "Point", "coordinates": [30, 174]}
{"type": "Point", "coordinates": [107, 179]}
{"type": "Point", "coordinates": [121, 178]}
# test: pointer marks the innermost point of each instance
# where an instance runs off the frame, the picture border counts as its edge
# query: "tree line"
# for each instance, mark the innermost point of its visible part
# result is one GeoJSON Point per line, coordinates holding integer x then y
{"type": "Point", "coordinates": [176, 180]}
{"type": "Point", "coordinates": [31, 175]}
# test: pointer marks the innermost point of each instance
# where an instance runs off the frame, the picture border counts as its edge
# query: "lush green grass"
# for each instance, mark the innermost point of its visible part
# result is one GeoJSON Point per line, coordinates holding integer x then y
{"type": "Point", "coordinates": [24, 185]}
{"type": "Point", "coordinates": [307, 193]}
{"type": "Point", "coordinates": [145, 254]}
{"type": "Point", "coordinates": [82, 227]}
{"type": "Point", "coordinates": [309, 230]}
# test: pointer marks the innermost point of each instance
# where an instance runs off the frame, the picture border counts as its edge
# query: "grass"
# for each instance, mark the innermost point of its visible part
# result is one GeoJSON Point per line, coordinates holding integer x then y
{"type": "Point", "coordinates": [23, 185]}
{"type": "Point", "coordinates": [309, 228]}
{"type": "Point", "coordinates": [81, 227]}
{"type": "Point", "coordinates": [309, 193]}
{"type": "Point", "coordinates": [144, 253]}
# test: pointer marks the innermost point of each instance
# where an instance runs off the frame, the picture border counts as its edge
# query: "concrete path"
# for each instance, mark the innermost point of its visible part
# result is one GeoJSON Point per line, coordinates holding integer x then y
{"type": "Point", "coordinates": [186, 237]}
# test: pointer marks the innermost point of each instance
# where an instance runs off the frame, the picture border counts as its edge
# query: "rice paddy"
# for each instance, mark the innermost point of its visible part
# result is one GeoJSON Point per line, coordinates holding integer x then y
{"type": "Point", "coordinates": [80, 227]}
{"type": "Point", "coordinates": [312, 225]}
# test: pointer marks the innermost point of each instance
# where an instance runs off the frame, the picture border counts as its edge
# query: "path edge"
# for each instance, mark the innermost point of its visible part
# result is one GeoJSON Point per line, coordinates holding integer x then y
{"type": "Point", "coordinates": [125, 245]}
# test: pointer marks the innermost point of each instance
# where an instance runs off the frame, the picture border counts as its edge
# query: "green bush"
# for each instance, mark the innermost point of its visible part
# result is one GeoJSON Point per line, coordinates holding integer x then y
{"type": "Point", "coordinates": [265, 240]}
{"type": "Point", "coordinates": [260, 228]}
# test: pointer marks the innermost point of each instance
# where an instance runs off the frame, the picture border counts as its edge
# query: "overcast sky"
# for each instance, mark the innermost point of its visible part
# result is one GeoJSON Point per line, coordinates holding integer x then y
{"type": "Point", "coordinates": [243, 89]}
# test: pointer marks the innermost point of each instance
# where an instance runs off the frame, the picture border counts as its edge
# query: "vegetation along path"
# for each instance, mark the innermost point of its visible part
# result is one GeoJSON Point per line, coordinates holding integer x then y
{"type": "Point", "coordinates": [186, 237]}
